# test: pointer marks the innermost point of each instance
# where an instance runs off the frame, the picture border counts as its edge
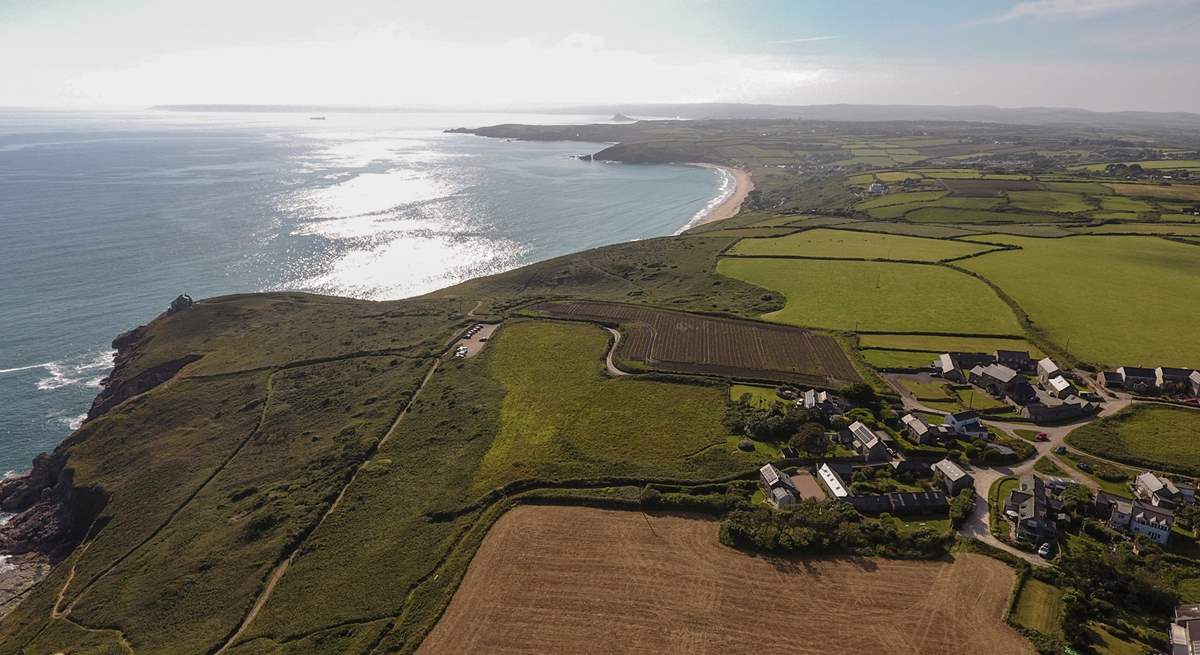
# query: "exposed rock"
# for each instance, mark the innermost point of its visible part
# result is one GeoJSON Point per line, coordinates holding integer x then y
{"type": "Point", "coordinates": [181, 302]}
{"type": "Point", "coordinates": [53, 513]}
{"type": "Point", "coordinates": [117, 390]}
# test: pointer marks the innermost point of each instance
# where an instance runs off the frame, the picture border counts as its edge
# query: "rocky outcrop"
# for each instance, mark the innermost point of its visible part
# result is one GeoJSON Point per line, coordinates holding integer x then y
{"type": "Point", "coordinates": [119, 386]}
{"type": "Point", "coordinates": [52, 513]}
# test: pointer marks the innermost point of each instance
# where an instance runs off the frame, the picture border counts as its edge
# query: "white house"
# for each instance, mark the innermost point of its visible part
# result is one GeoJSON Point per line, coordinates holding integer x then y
{"type": "Point", "coordinates": [966, 424]}
{"type": "Point", "coordinates": [1047, 369]}
{"type": "Point", "coordinates": [1059, 387]}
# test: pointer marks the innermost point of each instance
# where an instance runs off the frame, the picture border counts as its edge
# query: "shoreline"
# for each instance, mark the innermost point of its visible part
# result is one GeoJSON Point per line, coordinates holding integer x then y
{"type": "Point", "coordinates": [726, 205]}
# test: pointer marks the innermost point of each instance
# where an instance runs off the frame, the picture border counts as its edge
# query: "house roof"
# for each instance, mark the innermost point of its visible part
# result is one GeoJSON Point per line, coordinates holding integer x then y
{"type": "Point", "coordinates": [915, 500]}
{"type": "Point", "coordinates": [950, 470]}
{"type": "Point", "coordinates": [1156, 516]}
{"type": "Point", "coordinates": [1154, 484]}
{"type": "Point", "coordinates": [914, 423]}
{"type": "Point", "coordinates": [780, 493]}
{"type": "Point", "coordinates": [863, 434]}
{"type": "Point", "coordinates": [999, 372]}
{"type": "Point", "coordinates": [1111, 376]}
{"type": "Point", "coordinates": [1136, 371]}
{"type": "Point", "coordinates": [964, 416]}
{"type": "Point", "coordinates": [1059, 383]}
{"type": "Point", "coordinates": [1168, 372]}
{"type": "Point", "coordinates": [1011, 355]}
{"type": "Point", "coordinates": [1195, 377]}
{"type": "Point", "coordinates": [833, 481]}
{"type": "Point", "coordinates": [1047, 365]}
{"type": "Point", "coordinates": [772, 476]}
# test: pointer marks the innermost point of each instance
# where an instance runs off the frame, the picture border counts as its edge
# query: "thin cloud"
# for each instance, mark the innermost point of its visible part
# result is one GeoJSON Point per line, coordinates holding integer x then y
{"type": "Point", "coordinates": [805, 39]}
{"type": "Point", "coordinates": [1039, 9]}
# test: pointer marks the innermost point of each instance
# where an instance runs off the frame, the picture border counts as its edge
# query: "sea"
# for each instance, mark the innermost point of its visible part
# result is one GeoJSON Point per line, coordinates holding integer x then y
{"type": "Point", "coordinates": [105, 217]}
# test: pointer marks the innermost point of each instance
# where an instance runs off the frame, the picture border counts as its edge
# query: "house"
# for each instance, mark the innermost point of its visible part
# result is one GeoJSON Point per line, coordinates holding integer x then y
{"type": "Point", "coordinates": [966, 424]}
{"type": "Point", "coordinates": [1137, 378]}
{"type": "Point", "coordinates": [1158, 491]}
{"type": "Point", "coordinates": [1046, 369]}
{"type": "Point", "coordinates": [1015, 359]}
{"type": "Point", "coordinates": [953, 366]}
{"type": "Point", "coordinates": [1022, 392]}
{"type": "Point", "coordinates": [997, 379]}
{"type": "Point", "coordinates": [1135, 517]}
{"type": "Point", "coordinates": [820, 401]}
{"type": "Point", "coordinates": [877, 189]}
{"type": "Point", "coordinates": [779, 488]}
{"type": "Point", "coordinates": [868, 444]}
{"type": "Point", "coordinates": [1059, 387]}
{"type": "Point", "coordinates": [926, 434]}
{"type": "Point", "coordinates": [1073, 407]}
{"type": "Point", "coordinates": [1194, 378]}
{"type": "Point", "coordinates": [952, 476]}
{"type": "Point", "coordinates": [1185, 630]}
{"type": "Point", "coordinates": [1174, 380]}
{"type": "Point", "coordinates": [1032, 509]}
{"type": "Point", "coordinates": [833, 482]}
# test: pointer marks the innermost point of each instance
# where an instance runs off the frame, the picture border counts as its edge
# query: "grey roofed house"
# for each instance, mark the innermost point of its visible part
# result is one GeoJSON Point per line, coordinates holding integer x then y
{"type": "Point", "coordinates": [952, 476]}
{"type": "Point", "coordinates": [925, 433]}
{"type": "Point", "coordinates": [1185, 630]}
{"type": "Point", "coordinates": [1155, 489]}
{"type": "Point", "coordinates": [1030, 507]}
{"type": "Point", "coordinates": [952, 365]}
{"type": "Point", "coordinates": [1166, 375]}
{"type": "Point", "coordinates": [1047, 369]}
{"type": "Point", "coordinates": [770, 477]}
{"type": "Point", "coordinates": [916, 427]}
{"type": "Point", "coordinates": [867, 443]}
{"type": "Point", "coordinates": [1059, 386]}
{"type": "Point", "coordinates": [1017, 359]}
{"type": "Point", "coordinates": [781, 497]}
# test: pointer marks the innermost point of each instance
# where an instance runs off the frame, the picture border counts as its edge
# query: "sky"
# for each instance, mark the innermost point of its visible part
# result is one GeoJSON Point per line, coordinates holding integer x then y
{"type": "Point", "coordinates": [1097, 54]}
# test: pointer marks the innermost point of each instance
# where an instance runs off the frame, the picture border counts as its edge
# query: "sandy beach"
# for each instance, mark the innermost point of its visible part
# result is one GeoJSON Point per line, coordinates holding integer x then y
{"type": "Point", "coordinates": [730, 202]}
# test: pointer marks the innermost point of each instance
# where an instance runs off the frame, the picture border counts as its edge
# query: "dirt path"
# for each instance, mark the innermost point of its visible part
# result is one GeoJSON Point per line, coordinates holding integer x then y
{"type": "Point", "coordinates": [608, 357]}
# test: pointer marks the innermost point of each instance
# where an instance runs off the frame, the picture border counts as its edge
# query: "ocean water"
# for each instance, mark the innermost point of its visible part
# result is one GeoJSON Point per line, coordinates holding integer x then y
{"type": "Point", "coordinates": [106, 217]}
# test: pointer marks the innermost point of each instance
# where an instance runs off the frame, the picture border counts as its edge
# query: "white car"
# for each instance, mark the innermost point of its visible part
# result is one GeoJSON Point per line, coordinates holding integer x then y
{"type": "Point", "coordinates": [1044, 551]}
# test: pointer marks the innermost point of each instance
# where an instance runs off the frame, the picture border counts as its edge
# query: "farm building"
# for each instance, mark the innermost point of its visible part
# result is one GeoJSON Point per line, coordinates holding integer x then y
{"type": "Point", "coordinates": [833, 482]}
{"type": "Point", "coordinates": [924, 433]}
{"type": "Point", "coordinates": [952, 476]}
{"type": "Point", "coordinates": [1194, 378]}
{"type": "Point", "coordinates": [779, 488]}
{"type": "Point", "coordinates": [1022, 392]}
{"type": "Point", "coordinates": [1135, 516]}
{"type": "Point", "coordinates": [1018, 360]}
{"type": "Point", "coordinates": [1071, 408]}
{"type": "Point", "coordinates": [867, 443]}
{"type": "Point", "coordinates": [1032, 509]}
{"type": "Point", "coordinates": [1137, 378]}
{"type": "Point", "coordinates": [1046, 369]}
{"type": "Point", "coordinates": [1185, 630]}
{"type": "Point", "coordinates": [900, 503]}
{"type": "Point", "coordinates": [1111, 379]}
{"type": "Point", "coordinates": [1059, 387]}
{"type": "Point", "coordinates": [966, 424]}
{"type": "Point", "coordinates": [1172, 379]}
{"type": "Point", "coordinates": [953, 366]}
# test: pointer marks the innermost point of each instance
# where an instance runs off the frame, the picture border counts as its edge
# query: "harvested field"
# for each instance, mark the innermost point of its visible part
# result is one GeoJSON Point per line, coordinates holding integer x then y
{"type": "Point", "coordinates": [703, 345]}
{"type": "Point", "coordinates": [582, 580]}
{"type": "Point", "coordinates": [988, 187]}
{"type": "Point", "coordinates": [1164, 191]}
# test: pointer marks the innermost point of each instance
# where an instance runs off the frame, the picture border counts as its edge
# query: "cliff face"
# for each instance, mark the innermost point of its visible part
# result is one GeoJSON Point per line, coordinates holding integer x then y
{"type": "Point", "coordinates": [119, 387]}
{"type": "Point", "coordinates": [52, 513]}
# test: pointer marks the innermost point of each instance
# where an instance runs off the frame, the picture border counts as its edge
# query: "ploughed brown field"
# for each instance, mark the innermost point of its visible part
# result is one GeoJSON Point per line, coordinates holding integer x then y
{"type": "Point", "coordinates": [583, 580]}
{"type": "Point", "coordinates": [688, 343]}
{"type": "Point", "coordinates": [967, 187]}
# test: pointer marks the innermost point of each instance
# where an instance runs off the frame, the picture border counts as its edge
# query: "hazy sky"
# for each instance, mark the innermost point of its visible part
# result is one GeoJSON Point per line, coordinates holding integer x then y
{"type": "Point", "coordinates": [1098, 54]}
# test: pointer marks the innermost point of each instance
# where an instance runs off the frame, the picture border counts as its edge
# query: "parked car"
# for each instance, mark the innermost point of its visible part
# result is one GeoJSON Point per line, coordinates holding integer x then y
{"type": "Point", "coordinates": [1042, 436]}
{"type": "Point", "coordinates": [1085, 467]}
{"type": "Point", "coordinates": [1061, 450]}
{"type": "Point", "coordinates": [1045, 550]}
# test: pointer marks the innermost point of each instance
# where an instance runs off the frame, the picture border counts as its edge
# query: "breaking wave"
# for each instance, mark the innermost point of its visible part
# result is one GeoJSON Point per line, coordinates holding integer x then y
{"type": "Point", "coordinates": [87, 370]}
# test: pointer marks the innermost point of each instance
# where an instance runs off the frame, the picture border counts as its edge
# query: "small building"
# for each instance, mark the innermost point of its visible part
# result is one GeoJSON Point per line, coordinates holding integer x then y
{"type": "Point", "coordinates": [1046, 369]}
{"type": "Point", "coordinates": [1158, 491]}
{"type": "Point", "coordinates": [1111, 380]}
{"type": "Point", "coordinates": [778, 487]}
{"type": "Point", "coordinates": [954, 366]}
{"type": "Point", "coordinates": [1137, 378]}
{"type": "Point", "coordinates": [1032, 509]}
{"type": "Point", "coordinates": [1015, 359]}
{"type": "Point", "coordinates": [925, 434]}
{"type": "Point", "coordinates": [951, 476]}
{"type": "Point", "coordinates": [877, 189]}
{"type": "Point", "coordinates": [820, 401]}
{"type": "Point", "coordinates": [1022, 392]}
{"type": "Point", "coordinates": [1059, 387]}
{"type": "Point", "coordinates": [868, 444]}
{"type": "Point", "coordinates": [833, 482]}
{"type": "Point", "coordinates": [966, 424]}
{"type": "Point", "coordinates": [997, 379]}
{"type": "Point", "coordinates": [1185, 630]}
{"type": "Point", "coordinates": [1172, 380]}
{"type": "Point", "coordinates": [1194, 378]}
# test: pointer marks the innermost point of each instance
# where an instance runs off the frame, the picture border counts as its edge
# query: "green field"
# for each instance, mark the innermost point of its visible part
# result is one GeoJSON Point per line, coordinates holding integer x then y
{"type": "Point", "coordinates": [900, 199]}
{"type": "Point", "coordinates": [1049, 201]}
{"type": "Point", "coordinates": [1118, 300]}
{"type": "Point", "coordinates": [909, 229]}
{"type": "Point", "coordinates": [927, 390]}
{"type": "Point", "coordinates": [942, 344]}
{"type": "Point", "coordinates": [760, 396]}
{"type": "Point", "coordinates": [1144, 228]}
{"type": "Point", "coordinates": [1158, 437]}
{"type": "Point", "coordinates": [949, 215]}
{"type": "Point", "coordinates": [1185, 192]}
{"type": "Point", "coordinates": [1093, 188]}
{"type": "Point", "coordinates": [898, 358]}
{"type": "Point", "coordinates": [1040, 607]}
{"type": "Point", "coordinates": [562, 417]}
{"type": "Point", "coordinates": [841, 244]}
{"type": "Point", "coordinates": [1124, 204]}
{"type": "Point", "coordinates": [875, 296]}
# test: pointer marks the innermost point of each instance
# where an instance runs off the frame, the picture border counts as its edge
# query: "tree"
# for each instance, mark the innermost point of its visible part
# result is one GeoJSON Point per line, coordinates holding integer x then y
{"type": "Point", "coordinates": [810, 439]}
{"type": "Point", "coordinates": [860, 394]}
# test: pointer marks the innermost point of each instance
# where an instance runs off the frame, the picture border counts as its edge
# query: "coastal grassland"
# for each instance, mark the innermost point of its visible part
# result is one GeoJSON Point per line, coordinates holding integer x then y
{"type": "Point", "coordinates": [1118, 299]}
{"type": "Point", "coordinates": [1019, 229]}
{"type": "Point", "coordinates": [897, 358]}
{"type": "Point", "coordinates": [876, 296]}
{"type": "Point", "coordinates": [760, 396]}
{"type": "Point", "coordinates": [1153, 436]}
{"type": "Point", "coordinates": [841, 244]}
{"type": "Point", "coordinates": [908, 229]}
{"type": "Point", "coordinates": [318, 423]}
{"type": "Point", "coordinates": [951, 215]}
{"type": "Point", "coordinates": [1049, 201]}
{"type": "Point", "coordinates": [1184, 192]}
{"type": "Point", "coordinates": [942, 344]}
{"type": "Point", "coordinates": [380, 545]}
{"type": "Point", "coordinates": [675, 272]}
{"type": "Point", "coordinates": [561, 417]}
{"type": "Point", "coordinates": [900, 199]}
{"type": "Point", "coordinates": [1039, 607]}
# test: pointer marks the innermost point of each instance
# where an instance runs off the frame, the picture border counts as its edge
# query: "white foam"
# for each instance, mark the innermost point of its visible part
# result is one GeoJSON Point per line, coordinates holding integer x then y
{"type": "Point", "coordinates": [725, 191]}
{"type": "Point", "coordinates": [79, 371]}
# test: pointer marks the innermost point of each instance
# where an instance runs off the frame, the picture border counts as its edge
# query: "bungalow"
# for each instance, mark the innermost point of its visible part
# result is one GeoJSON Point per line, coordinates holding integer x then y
{"type": "Point", "coordinates": [1059, 387]}
{"type": "Point", "coordinates": [1137, 377]}
{"type": "Point", "coordinates": [926, 434]}
{"type": "Point", "coordinates": [1046, 369]}
{"type": "Point", "coordinates": [1031, 508]}
{"type": "Point", "coordinates": [1158, 491]}
{"type": "Point", "coordinates": [1136, 517]}
{"type": "Point", "coordinates": [833, 482]}
{"type": "Point", "coordinates": [779, 488]}
{"type": "Point", "coordinates": [953, 366]}
{"type": "Point", "coordinates": [1185, 630]}
{"type": "Point", "coordinates": [867, 443]}
{"type": "Point", "coordinates": [1194, 378]}
{"type": "Point", "coordinates": [966, 424]}
{"type": "Point", "coordinates": [997, 379]}
{"type": "Point", "coordinates": [952, 476]}
{"type": "Point", "coordinates": [1014, 359]}
{"type": "Point", "coordinates": [1172, 379]}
